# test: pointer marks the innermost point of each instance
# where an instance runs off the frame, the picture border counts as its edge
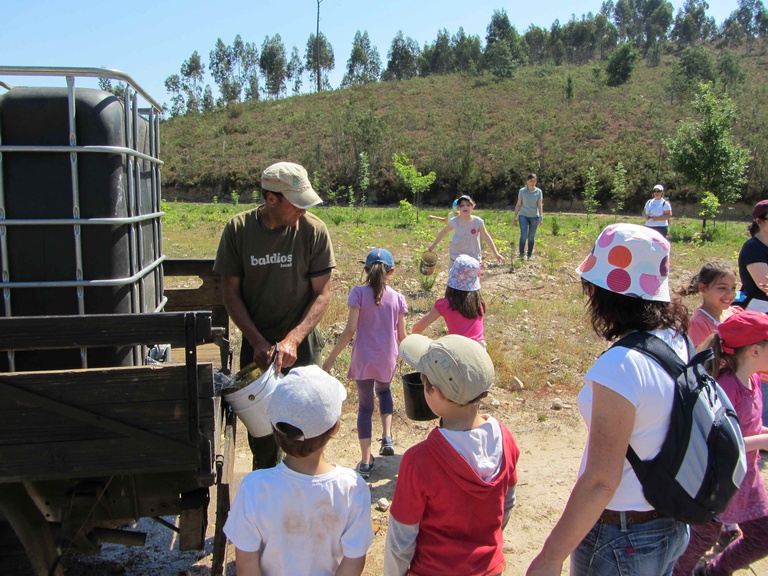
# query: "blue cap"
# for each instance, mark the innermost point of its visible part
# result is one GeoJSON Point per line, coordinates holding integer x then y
{"type": "Point", "coordinates": [380, 255]}
{"type": "Point", "coordinates": [455, 203]}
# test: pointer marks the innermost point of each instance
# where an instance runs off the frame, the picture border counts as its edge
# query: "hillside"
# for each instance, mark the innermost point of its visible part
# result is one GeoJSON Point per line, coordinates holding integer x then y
{"type": "Point", "coordinates": [480, 135]}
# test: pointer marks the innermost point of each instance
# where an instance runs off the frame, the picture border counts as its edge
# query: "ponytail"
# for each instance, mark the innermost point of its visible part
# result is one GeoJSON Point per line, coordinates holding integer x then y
{"type": "Point", "coordinates": [377, 280]}
{"type": "Point", "coordinates": [721, 359]}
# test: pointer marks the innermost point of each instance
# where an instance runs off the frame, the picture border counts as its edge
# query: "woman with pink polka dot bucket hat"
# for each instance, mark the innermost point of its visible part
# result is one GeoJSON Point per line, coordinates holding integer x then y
{"type": "Point", "coordinates": [631, 260]}
{"type": "Point", "coordinates": [626, 400]}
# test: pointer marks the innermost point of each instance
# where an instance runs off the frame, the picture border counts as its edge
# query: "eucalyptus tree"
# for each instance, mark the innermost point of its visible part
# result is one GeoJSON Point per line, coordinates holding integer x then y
{"type": "Point", "coordinates": [467, 51]}
{"type": "Point", "coordinates": [364, 64]}
{"type": "Point", "coordinates": [187, 88]}
{"type": "Point", "coordinates": [319, 60]}
{"type": "Point", "coordinates": [402, 58]}
{"type": "Point", "coordinates": [692, 25]}
{"type": "Point", "coordinates": [273, 63]}
{"type": "Point", "coordinates": [295, 71]}
{"type": "Point", "coordinates": [233, 68]}
{"type": "Point", "coordinates": [500, 29]}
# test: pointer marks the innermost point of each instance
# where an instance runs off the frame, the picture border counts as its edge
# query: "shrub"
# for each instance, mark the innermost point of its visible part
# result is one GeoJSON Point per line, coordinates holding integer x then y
{"type": "Point", "coordinates": [406, 215]}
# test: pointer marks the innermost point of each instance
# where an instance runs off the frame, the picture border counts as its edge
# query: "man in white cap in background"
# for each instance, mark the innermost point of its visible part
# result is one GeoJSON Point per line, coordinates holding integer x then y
{"type": "Point", "coordinates": [275, 262]}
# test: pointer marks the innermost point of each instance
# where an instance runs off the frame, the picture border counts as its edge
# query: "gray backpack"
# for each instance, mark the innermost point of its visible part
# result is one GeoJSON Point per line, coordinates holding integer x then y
{"type": "Point", "coordinates": [702, 460]}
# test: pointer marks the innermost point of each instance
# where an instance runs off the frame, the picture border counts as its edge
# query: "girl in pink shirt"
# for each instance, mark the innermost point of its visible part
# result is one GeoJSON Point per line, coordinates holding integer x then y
{"type": "Point", "coordinates": [463, 307]}
{"type": "Point", "coordinates": [377, 315]}
{"type": "Point", "coordinates": [741, 350]}
{"type": "Point", "coordinates": [716, 282]}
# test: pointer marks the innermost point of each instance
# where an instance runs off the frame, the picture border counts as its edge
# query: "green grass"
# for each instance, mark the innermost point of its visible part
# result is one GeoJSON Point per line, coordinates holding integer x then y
{"type": "Point", "coordinates": [535, 327]}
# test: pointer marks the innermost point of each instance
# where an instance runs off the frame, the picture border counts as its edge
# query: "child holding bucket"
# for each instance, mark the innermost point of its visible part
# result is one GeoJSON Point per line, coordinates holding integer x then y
{"type": "Point", "coordinates": [305, 515]}
{"type": "Point", "coordinates": [467, 231]}
{"type": "Point", "coordinates": [462, 307]}
{"type": "Point", "coordinates": [456, 489]}
{"type": "Point", "coordinates": [377, 315]}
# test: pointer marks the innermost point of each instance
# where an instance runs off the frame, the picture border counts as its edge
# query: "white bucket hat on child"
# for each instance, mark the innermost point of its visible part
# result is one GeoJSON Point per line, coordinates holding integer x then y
{"type": "Point", "coordinates": [309, 399]}
{"type": "Point", "coordinates": [291, 181]}
{"type": "Point", "coordinates": [631, 260]}
{"type": "Point", "coordinates": [458, 366]}
{"type": "Point", "coordinates": [464, 273]}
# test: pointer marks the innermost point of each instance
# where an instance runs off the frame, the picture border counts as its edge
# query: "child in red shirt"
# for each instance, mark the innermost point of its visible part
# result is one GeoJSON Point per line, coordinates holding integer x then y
{"type": "Point", "coordinates": [455, 490]}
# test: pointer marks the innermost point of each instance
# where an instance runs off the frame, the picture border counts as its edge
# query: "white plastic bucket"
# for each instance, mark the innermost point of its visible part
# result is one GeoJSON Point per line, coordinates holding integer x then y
{"type": "Point", "coordinates": [250, 403]}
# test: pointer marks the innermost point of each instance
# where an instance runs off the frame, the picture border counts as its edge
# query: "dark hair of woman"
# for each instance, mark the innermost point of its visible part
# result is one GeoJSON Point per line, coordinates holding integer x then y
{"type": "Point", "coordinates": [377, 279]}
{"type": "Point", "coordinates": [708, 274]}
{"type": "Point", "coordinates": [754, 227]}
{"type": "Point", "coordinates": [290, 439]}
{"type": "Point", "coordinates": [468, 304]}
{"type": "Point", "coordinates": [613, 315]}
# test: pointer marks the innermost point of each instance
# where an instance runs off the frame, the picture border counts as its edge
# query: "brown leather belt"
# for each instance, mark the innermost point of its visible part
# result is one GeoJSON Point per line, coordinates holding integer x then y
{"type": "Point", "coordinates": [633, 517]}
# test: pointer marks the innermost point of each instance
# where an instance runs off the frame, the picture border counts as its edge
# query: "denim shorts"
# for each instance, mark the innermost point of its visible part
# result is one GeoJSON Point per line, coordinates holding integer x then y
{"type": "Point", "coordinates": [649, 548]}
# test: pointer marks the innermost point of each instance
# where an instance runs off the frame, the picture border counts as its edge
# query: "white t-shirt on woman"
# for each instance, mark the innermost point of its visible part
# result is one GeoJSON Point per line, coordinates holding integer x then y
{"type": "Point", "coordinates": [651, 391]}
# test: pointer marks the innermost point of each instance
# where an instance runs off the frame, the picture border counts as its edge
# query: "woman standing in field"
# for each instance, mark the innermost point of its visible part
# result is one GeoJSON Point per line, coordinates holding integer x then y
{"type": "Point", "coordinates": [530, 212]}
{"type": "Point", "coordinates": [608, 527]}
{"type": "Point", "coordinates": [658, 211]}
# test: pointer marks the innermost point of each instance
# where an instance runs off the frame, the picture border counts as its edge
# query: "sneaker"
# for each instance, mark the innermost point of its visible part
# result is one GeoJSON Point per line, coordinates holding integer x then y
{"type": "Point", "coordinates": [701, 570]}
{"type": "Point", "coordinates": [365, 469]}
{"type": "Point", "coordinates": [727, 537]}
{"type": "Point", "coordinates": [387, 446]}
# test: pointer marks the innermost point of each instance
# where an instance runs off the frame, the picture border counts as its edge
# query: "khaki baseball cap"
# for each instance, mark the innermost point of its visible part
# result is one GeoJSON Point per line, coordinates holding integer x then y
{"type": "Point", "coordinates": [458, 366]}
{"type": "Point", "coordinates": [291, 181]}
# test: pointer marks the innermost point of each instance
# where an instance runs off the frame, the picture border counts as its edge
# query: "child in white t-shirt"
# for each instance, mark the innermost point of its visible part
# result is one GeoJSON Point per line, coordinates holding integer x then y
{"type": "Point", "coordinates": [306, 516]}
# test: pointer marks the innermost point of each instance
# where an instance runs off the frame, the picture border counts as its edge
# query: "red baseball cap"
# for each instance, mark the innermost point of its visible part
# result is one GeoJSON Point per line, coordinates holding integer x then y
{"type": "Point", "coordinates": [743, 329]}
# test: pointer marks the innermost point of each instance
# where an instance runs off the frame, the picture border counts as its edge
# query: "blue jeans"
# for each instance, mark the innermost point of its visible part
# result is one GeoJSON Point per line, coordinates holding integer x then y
{"type": "Point", "coordinates": [528, 227]}
{"type": "Point", "coordinates": [630, 550]}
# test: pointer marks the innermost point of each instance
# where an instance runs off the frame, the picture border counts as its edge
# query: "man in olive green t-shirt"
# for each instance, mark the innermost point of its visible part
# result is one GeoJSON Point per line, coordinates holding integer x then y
{"type": "Point", "coordinates": [276, 263]}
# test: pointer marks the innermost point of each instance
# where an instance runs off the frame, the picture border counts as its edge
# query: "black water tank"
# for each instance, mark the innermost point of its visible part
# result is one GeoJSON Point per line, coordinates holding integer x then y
{"type": "Point", "coordinates": [38, 185]}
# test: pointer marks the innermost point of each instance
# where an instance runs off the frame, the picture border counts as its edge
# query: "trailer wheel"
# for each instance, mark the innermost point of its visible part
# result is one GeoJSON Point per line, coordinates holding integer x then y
{"type": "Point", "coordinates": [32, 529]}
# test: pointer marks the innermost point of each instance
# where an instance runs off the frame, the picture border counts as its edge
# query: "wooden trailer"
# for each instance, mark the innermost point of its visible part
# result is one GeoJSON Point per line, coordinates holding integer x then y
{"type": "Point", "coordinates": [96, 428]}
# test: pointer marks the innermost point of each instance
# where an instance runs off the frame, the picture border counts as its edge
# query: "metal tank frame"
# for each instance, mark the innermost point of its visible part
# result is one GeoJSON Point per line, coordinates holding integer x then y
{"type": "Point", "coordinates": [151, 112]}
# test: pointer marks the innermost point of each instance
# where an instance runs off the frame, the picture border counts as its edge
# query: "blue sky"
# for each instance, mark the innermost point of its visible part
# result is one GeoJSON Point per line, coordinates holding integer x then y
{"type": "Point", "coordinates": [149, 41]}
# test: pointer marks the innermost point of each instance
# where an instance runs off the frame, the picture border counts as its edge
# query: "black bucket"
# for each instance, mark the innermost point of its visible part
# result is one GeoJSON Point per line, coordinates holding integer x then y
{"type": "Point", "coordinates": [416, 407]}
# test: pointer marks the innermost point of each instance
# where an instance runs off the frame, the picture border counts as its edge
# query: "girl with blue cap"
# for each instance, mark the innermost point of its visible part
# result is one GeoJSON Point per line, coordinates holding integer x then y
{"type": "Point", "coordinates": [377, 315]}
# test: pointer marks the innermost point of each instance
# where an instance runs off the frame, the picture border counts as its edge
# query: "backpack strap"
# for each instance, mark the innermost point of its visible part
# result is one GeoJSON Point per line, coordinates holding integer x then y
{"type": "Point", "coordinates": [655, 348]}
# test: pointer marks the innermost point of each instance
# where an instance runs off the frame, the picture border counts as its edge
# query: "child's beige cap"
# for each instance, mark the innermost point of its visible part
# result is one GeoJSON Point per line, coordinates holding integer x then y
{"type": "Point", "coordinates": [458, 366]}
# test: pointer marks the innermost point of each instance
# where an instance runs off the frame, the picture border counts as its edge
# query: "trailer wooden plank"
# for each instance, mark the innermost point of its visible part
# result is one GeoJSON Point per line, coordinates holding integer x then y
{"type": "Point", "coordinates": [189, 267]}
{"type": "Point", "coordinates": [33, 425]}
{"type": "Point", "coordinates": [90, 458]}
{"type": "Point", "coordinates": [110, 385]}
{"type": "Point", "coordinates": [68, 423]}
{"type": "Point", "coordinates": [55, 332]}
